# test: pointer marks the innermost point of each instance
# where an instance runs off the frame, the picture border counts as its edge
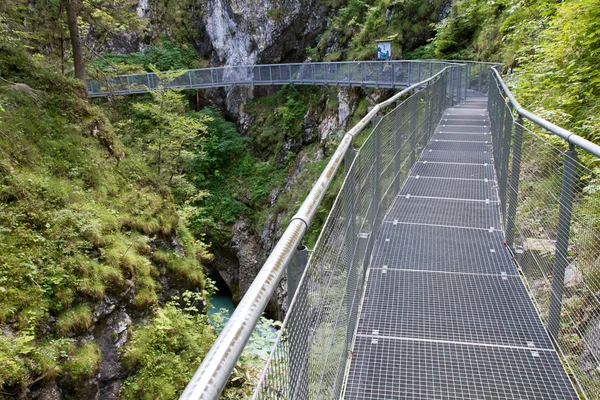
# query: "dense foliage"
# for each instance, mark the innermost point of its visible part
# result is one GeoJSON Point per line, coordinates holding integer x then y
{"type": "Point", "coordinates": [80, 218]}
{"type": "Point", "coordinates": [552, 47]}
{"type": "Point", "coordinates": [355, 25]}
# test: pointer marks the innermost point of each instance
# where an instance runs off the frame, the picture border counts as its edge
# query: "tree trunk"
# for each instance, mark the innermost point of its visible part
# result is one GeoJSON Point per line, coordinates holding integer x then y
{"type": "Point", "coordinates": [72, 8]}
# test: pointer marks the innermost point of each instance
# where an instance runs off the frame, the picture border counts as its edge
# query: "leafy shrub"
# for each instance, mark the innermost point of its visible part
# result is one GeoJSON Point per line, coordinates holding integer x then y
{"type": "Point", "coordinates": [74, 320]}
{"type": "Point", "coordinates": [166, 351]}
{"type": "Point", "coordinates": [83, 362]}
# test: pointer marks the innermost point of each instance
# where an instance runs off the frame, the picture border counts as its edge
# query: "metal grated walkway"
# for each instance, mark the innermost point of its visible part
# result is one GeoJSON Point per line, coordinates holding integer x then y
{"type": "Point", "coordinates": [445, 313]}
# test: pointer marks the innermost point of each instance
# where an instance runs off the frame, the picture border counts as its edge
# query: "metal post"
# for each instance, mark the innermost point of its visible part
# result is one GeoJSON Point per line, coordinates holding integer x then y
{"type": "Point", "coordinates": [561, 257]}
{"type": "Point", "coordinates": [450, 87]}
{"type": "Point", "coordinates": [467, 75]}
{"type": "Point", "coordinates": [350, 73]}
{"type": "Point", "coordinates": [290, 71]}
{"type": "Point", "coordinates": [397, 158]}
{"type": "Point", "coordinates": [295, 269]}
{"type": "Point", "coordinates": [419, 73]}
{"type": "Point", "coordinates": [409, 68]}
{"type": "Point", "coordinates": [364, 73]}
{"type": "Point", "coordinates": [421, 114]}
{"type": "Point", "coordinates": [411, 132]}
{"type": "Point", "coordinates": [422, 122]}
{"type": "Point", "coordinates": [459, 85]}
{"type": "Point", "coordinates": [432, 109]}
{"type": "Point", "coordinates": [298, 339]}
{"type": "Point", "coordinates": [500, 106]}
{"type": "Point", "coordinates": [376, 172]}
{"type": "Point", "coordinates": [505, 151]}
{"type": "Point", "coordinates": [479, 79]}
{"type": "Point", "coordinates": [430, 69]}
{"type": "Point", "coordinates": [393, 76]}
{"type": "Point", "coordinates": [350, 214]}
{"type": "Point", "coordinates": [514, 183]}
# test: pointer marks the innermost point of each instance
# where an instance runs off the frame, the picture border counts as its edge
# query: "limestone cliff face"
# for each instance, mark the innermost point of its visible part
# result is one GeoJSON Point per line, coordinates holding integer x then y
{"type": "Point", "coordinates": [245, 32]}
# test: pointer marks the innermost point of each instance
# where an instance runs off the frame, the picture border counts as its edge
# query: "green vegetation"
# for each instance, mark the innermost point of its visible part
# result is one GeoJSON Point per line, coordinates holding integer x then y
{"type": "Point", "coordinates": [80, 217]}
{"type": "Point", "coordinates": [552, 47]}
{"type": "Point", "coordinates": [116, 198]}
{"type": "Point", "coordinates": [166, 352]}
{"type": "Point", "coordinates": [356, 24]}
{"type": "Point", "coordinates": [166, 55]}
{"type": "Point", "coordinates": [220, 175]}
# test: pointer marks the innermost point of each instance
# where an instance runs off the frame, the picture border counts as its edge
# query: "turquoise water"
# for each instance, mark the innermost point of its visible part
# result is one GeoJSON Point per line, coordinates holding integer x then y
{"type": "Point", "coordinates": [264, 334]}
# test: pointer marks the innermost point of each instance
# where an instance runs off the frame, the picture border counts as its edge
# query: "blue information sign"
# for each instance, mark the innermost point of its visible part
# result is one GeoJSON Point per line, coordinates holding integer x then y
{"type": "Point", "coordinates": [384, 50]}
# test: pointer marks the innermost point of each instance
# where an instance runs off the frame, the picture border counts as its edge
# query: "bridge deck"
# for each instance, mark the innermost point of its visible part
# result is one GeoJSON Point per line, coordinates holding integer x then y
{"type": "Point", "coordinates": [445, 313]}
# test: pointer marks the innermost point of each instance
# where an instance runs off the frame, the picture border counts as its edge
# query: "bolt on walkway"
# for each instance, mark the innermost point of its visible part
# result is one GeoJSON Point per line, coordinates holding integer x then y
{"type": "Point", "coordinates": [445, 313]}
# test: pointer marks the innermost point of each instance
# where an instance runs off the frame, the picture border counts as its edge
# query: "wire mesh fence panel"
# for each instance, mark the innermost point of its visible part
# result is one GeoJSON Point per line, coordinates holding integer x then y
{"type": "Point", "coordinates": [355, 73]}
{"type": "Point", "coordinates": [309, 359]}
{"type": "Point", "coordinates": [551, 208]}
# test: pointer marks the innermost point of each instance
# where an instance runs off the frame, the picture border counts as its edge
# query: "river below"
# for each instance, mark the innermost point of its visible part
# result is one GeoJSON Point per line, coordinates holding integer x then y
{"type": "Point", "coordinates": [264, 334]}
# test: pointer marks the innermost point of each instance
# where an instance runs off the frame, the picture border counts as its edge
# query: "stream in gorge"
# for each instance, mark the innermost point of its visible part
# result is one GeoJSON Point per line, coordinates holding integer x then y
{"type": "Point", "coordinates": [221, 308]}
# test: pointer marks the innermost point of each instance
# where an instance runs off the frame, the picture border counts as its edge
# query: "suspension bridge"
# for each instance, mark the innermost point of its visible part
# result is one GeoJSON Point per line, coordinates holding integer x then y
{"type": "Point", "coordinates": [459, 260]}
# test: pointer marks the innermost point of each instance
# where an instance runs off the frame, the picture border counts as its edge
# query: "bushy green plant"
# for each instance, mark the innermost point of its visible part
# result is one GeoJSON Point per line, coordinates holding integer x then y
{"type": "Point", "coordinates": [166, 351]}
{"type": "Point", "coordinates": [84, 361]}
{"type": "Point", "coordinates": [165, 130]}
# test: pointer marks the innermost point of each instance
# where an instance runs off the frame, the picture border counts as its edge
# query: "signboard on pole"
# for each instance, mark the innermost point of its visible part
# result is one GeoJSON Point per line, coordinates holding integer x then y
{"type": "Point", "coordinates": [384, 50]}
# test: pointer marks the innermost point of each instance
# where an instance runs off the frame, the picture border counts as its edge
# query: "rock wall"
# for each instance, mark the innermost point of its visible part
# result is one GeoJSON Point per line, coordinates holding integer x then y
{"type": "Point", "coordinates": [244, 32]}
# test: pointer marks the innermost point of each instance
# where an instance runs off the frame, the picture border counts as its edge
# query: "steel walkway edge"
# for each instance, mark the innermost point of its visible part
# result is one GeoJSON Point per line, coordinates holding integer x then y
{"type": "Point", "coordinates": [445, 313]}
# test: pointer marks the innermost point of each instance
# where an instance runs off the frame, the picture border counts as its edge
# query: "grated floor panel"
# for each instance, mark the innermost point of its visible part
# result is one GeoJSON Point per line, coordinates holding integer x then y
{"type": "Point", "coordinates": [406, 369]}
{"type": "Point", "coordinates": [485, 148]}
{"type": "Point", "coordinates": [434, 248]}
{"type": "Point", "coordinates": [456, 171]}
{"type": "Point", "coordinates": [463, 137]}
{"type": "Point", "coordinates": [468, 157]}
{"type": "Point", "coordinates": [445, 212]}
{"type": "Point", "coordinates": [463, 129]}
{"type": "Point", "coordinates": [417, 185]}
{"type": "Point", "coordinates": [445, 313]}
{"type": "Point", "coordinates": [490, 309]}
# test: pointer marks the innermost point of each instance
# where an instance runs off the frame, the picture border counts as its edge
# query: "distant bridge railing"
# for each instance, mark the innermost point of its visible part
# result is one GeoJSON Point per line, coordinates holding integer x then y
{"type": "Point", "coordinates": [310, 355]}
{"type": "Point", "coordinates": [551, 212]}
{"type": "Point", "coordinates": [378, 74]}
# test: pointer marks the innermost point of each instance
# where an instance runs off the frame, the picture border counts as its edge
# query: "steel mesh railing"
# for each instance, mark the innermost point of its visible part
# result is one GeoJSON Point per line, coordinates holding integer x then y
{"type": "Point", "coordinates": [550, 209]}
{"type": "Point", "coordinates": [386, 74]}
{"type": "Point", "coordinates": [310, 357]}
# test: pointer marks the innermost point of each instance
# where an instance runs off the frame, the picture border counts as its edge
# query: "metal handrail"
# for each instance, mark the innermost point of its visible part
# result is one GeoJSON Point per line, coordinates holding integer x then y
{"type": "Point", "coordinates": [214, 371]}
{"type": "Point", "coordinates": [570, 137]}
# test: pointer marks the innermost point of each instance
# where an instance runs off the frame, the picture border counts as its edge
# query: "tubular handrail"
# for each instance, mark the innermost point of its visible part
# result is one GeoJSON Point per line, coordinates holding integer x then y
{"type": "Point", "coordinates": [214, 371]}
{"type": "Point", "coordinates": [569, 136]}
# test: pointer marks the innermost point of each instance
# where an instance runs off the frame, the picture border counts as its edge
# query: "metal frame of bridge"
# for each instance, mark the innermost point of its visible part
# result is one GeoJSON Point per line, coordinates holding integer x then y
{"type": "Point", "coordinates": [373, 74]}
{"type": "Point", "coordinates": [412, 290]}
